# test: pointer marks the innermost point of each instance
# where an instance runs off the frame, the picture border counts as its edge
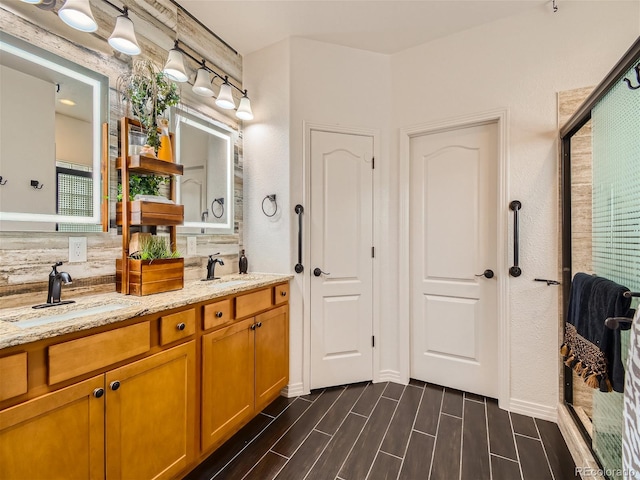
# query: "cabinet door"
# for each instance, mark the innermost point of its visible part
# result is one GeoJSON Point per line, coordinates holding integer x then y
{"type": "Point", "coordinates": [227, 381]}
{"type": "Point", "coordinates": [58, 435]}
{"type": "Point", "coordinates": [272, 355]}
{"type": "Point", "coordinates": [150, 424]}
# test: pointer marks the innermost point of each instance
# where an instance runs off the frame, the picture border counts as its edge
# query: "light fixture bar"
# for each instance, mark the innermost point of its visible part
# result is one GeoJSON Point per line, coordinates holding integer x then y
{"type": "Point", "coordinates": [203, 64]}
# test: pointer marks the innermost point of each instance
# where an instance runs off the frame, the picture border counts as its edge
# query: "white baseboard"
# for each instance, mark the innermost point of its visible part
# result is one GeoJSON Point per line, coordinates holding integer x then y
{"type": "Point", "coordinates": [390, 376]}
{"type": "Point", "coordinates": [535, 410]}
{"type": "Point", "coordinates": [293, 390]}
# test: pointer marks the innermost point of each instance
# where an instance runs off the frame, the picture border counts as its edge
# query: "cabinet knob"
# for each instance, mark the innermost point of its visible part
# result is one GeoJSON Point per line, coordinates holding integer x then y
{"type": "Point", "coordinates": [283, 293]}
{"type": "Point", "coordinates": [98, 392]}
{"type": "Point", "coordinates": [259, 324]}
{"type": "Point", "coordinates": [181, 326]}
{"type": "Point", "coordinates": [253, 327]}
{"type": "Point", "coordinates": [114, 385]}
{"type": "Point", "coordinates": [218, 314]}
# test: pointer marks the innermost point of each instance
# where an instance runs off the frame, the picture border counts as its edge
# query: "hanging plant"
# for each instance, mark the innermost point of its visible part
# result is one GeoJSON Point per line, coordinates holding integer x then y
{"type": "Point", "coordinates": [148, 92]}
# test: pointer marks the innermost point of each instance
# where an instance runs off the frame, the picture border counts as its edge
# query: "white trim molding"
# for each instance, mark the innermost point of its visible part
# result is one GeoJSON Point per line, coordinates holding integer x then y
{"type": "Point", "coordinates": [390, 376]}
{"type": "Point", "coordinates": [536, 410]}
{"type": "Point", "coordinates": [308, 127]}
{"type": "Point", "coordinates": [293, 390]}
{"type": "Point", "coordinates": [501, 117]}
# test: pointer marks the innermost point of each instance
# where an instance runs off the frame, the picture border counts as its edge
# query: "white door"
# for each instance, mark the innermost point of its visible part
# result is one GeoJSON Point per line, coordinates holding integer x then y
{"type": "Point", "coordinates": [341, 239]}
{"type": "Point", "coordinates": [453, 235]}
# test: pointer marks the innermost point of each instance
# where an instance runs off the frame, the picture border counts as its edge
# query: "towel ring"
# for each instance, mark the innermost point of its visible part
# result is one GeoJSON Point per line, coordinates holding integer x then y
{"type": "Point", "coordinates": [219, 201]}
{"type": "Point", "coordinates": [271, 197]}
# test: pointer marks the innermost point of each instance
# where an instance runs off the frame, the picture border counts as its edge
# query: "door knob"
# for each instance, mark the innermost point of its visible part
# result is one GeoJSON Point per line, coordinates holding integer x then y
{"type": "Point", "coordinates": [317, 272]}
{"type": "Point", "coordinates": [488, 273]}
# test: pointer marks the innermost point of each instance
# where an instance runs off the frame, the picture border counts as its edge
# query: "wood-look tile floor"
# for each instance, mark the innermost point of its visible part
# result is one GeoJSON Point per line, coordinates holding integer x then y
{"type": "Point", "coordinates": [390, 431]}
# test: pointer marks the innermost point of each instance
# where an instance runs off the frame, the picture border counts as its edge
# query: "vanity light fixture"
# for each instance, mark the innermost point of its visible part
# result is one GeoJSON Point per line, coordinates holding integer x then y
{"type": "Point", "coordinates": [77, 14]}
{"type": "Point", "coordinates": [225, 97]}
{"type": "Point", "coordinates": [202, 86]}
{"type": "Point", "coordinates": [174, 68]}
{"type": "Point", "coordinates": [123, 38]}
{"type": "Point", "coordinates": [244, 109]}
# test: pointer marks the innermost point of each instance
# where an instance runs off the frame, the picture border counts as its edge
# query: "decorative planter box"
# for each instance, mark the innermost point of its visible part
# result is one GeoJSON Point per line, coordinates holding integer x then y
{"type": "Point", "coordinates": [151, 213]}
{"type": "Point", "coordinates": [147, 277]}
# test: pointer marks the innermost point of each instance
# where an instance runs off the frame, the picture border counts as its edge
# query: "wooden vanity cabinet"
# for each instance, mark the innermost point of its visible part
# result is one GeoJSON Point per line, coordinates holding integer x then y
{"type": "Point", "coordinates": [245, 365]}
{"type": "Point", "coordinates": [133, 401]}
{"type": "Point", "coordinates": [228, 372]}
{"type": "Point", "coordinates": [136, 421]}
{"type": "Point", "coordinates": [150, 415]}
{"type": "Point", "coordinates": [271, 355]}
{"type": "Point", "coordinates": [58, 435]}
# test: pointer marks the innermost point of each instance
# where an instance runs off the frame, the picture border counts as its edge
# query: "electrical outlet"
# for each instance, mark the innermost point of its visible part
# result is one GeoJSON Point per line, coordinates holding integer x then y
{"type": "Point", "coordinates": [192, 246]}
{"type": "Point", "coordinates": [77, 249]}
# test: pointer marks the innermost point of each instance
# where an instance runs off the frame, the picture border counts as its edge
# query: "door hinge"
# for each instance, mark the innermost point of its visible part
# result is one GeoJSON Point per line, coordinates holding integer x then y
{"type": "Point", "coordinates": [373, 252]}
{"type": "Point", "coordinates": [373, 341]}
{"type": "Point", "coordinates": [373, 163]}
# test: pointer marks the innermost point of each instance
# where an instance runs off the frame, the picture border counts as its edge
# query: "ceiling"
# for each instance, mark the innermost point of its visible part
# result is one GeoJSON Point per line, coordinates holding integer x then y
{"type": "Point", "coordinates": [383, 26]}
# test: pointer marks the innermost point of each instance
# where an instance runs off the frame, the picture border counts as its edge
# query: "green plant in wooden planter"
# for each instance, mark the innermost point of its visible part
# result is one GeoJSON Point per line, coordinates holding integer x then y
{"type": "Point", "coordinates": [154, 247]}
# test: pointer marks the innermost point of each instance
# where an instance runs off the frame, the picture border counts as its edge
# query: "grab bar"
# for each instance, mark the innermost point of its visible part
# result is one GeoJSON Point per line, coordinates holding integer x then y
{"type": "Point", "coordinates": [515, 271]}
{"type": "Point", "coordinates": [299, 209]}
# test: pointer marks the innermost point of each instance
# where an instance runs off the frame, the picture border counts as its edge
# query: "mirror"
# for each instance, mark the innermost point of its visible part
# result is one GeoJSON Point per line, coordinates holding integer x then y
{"type": "Point", "coordinates": [205, 148]}
{"type": "Point", "coordinates": [50, 140]}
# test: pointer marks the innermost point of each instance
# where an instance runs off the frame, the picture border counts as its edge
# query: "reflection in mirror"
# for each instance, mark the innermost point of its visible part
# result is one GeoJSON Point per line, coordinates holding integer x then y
{"type": "Point", "coordinates": [205, 148]}
{"type": "Point", "coordinates": [50, 133]}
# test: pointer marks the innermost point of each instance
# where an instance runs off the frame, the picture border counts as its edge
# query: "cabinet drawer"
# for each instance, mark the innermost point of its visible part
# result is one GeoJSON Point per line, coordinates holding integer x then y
{"type": "Point", "coordinates": [177, 325]}
{"type": "Point", "coordinates": [253, 302]}
{"type": "Point", "coordinates": [217, 314]}
{"type": "Point", "coordinates": [83, 355]}
{"type": "Point", "coordinates": [13, 375]}
{"type": "Point", "coordinates": [281, 294]}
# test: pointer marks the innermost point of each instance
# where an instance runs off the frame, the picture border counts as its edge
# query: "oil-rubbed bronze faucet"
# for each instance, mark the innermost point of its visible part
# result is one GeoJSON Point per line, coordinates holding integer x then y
{"type": "Point", "coordinates": [211, 266]}
{"type": "Point", "coordinates": [55, 283]}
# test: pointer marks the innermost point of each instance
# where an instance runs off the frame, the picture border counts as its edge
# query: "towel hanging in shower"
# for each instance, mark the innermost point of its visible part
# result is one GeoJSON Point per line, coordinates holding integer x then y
{"type": "Point", "coordinates": [591, 349]}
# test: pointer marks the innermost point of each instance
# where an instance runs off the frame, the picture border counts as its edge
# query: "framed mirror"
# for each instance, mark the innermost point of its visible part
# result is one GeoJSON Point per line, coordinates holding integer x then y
{"type": "Point", "coordinates": [51, 140]}
{"type": "Point", "coordinates": [206, 188]}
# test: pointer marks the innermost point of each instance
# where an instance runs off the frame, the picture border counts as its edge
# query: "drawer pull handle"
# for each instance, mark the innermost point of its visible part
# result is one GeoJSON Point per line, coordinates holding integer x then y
{"type": "Point", "coordinates": [98, 392]}
{"type": "Point", "coordinates": [218, 314]}
{"type": "Point", "coordinates": [114, 385]}
{"type": "Point", "coordinates": [181, 326]}
{"type": "Point", "coordinates": [283, 293]}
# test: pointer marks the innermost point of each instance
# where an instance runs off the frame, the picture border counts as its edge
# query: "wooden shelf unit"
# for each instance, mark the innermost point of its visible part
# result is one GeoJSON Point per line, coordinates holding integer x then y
{"type": "Point", "coordinates": [142, 213]}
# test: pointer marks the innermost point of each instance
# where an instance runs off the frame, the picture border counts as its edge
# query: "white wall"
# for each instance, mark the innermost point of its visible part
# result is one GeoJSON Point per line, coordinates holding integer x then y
{"type": "Point", "coordinates": [520, 63]}
{"type": "Point", "coordinates": [517, 63]}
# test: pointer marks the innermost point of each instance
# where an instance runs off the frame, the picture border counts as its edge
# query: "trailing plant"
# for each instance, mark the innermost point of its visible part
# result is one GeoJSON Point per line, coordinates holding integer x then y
{"type": "Point", "coordinates": [148, 93]}
{"type": "Point", "coordinates": [154, 247]}
{"type": "Point", "coordinates": [143, 185]}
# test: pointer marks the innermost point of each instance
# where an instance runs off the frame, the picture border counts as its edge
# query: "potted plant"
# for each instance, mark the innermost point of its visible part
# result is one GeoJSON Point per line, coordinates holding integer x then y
{"type": "Point", "coordinates": [148, 92]}
{"type": "Point", "coordinates": [153, 268]}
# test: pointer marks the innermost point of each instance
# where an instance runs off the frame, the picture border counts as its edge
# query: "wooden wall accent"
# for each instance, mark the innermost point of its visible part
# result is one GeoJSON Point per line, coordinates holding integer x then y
{"type": "Point", "coordinates": [26, 258]}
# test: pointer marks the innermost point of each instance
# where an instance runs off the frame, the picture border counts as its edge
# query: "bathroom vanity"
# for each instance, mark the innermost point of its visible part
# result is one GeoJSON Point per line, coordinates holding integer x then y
{"type": "Point", "coordinates": [114, 387]}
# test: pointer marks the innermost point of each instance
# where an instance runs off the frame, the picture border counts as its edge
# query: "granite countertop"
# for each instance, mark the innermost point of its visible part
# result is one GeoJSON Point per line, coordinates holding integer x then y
{"type": "Point", "coordinates": [25, 325]}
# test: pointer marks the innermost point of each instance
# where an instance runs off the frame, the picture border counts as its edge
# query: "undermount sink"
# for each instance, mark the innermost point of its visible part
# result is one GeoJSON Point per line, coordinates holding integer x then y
{"type": "Point", "coordinates": [226, 283]}
{"type": "Point", "coordinates": [35, 318]}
